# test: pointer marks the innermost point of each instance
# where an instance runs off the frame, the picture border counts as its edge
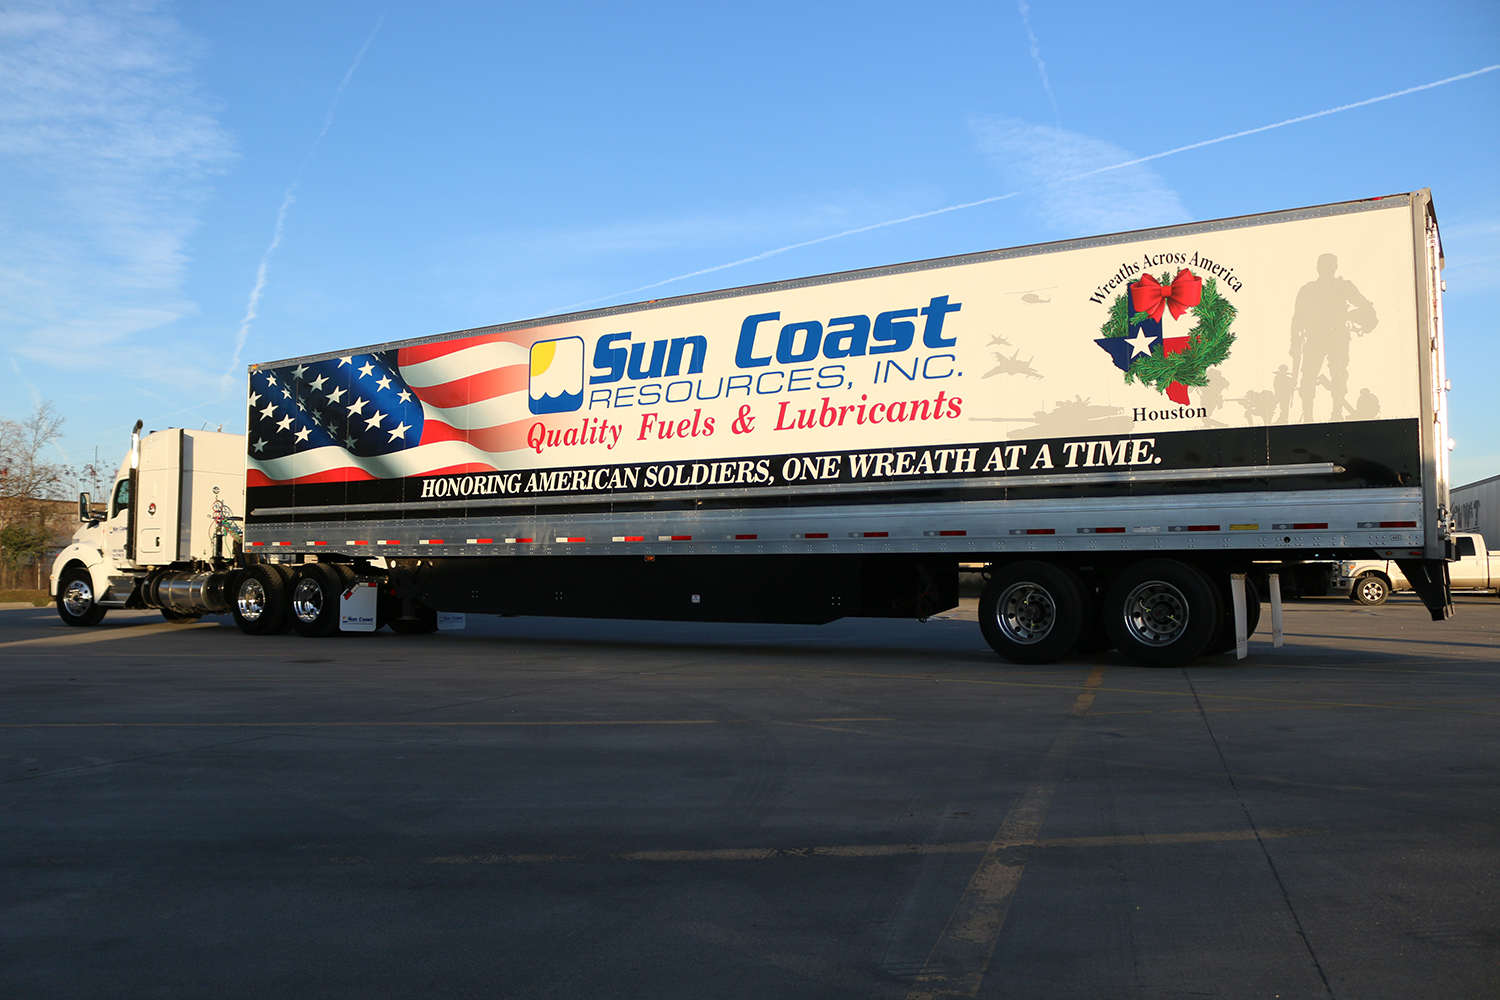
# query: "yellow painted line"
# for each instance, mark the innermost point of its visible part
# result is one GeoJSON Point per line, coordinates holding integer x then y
{"type": "Point", "coordinates": [960, 958]}
{"type": "Point", "coordinates": [870, 850]}
{"type": "Point", "coordinates": [79, 637]}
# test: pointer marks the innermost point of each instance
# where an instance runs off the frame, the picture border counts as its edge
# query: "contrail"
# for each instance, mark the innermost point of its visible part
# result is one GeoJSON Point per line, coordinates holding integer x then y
{"type": "Point", "coordinates": [287, 200]}
{"type": "Point", "coordinates": [1293, 121]}
{"type": "Point", "coordinates": [1036, 57]}
{"type": "Point", "coordinates": [253, 305]}
{"type": "Point", "coordinates": [1012, 194]}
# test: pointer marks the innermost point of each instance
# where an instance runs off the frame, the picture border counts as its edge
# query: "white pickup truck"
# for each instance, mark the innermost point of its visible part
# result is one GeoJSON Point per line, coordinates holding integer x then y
{"type": "Point", "coordinates": [1371, 581]}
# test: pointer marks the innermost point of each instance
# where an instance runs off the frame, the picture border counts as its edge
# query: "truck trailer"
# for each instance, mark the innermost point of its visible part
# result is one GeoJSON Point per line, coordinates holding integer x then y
{"type": "Point", "coordinates": [1127, 432]}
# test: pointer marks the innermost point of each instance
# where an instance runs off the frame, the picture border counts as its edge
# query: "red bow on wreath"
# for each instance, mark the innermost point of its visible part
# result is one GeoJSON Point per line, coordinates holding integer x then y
{"type": "Point", "coordinates": [1149, 295]}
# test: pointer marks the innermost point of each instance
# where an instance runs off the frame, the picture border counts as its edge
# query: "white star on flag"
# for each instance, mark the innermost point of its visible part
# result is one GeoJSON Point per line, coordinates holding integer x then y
{"type": "Point", "coordinates": [269, 411]}
{"type": "Point", "coordinates": [359, 406]}
{"type": "Point", "coordinates": [375, 420]}
{"type": "Point", "coordinates": [366, 369]}
{"type": "Point", "coordinates": [400, 430]}
{"type": "Point", "coordinates": [284, 423]}
{"type": "Point", "coordinates": [302, 434]}
{"type": "Point", "coordinates": [1140, 343]}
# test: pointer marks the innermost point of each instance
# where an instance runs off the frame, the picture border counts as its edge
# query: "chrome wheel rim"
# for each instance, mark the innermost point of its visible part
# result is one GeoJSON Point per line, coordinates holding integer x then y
{"type": "Point", "coordinates": [1371, 591]}
{"type": "Point", "coordinates": [251, 600]}
{"type": "Point", "coordinates": [1026, 613]}
{"type": "Point", "coordinates": [307, 600]}
{"type": "Point", "coordinates": [78, 597]}
{"type": "Point", "coordinates": [1156, 613]}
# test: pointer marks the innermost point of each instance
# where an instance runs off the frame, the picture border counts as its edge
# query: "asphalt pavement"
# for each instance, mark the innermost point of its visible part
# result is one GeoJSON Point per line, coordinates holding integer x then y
{"type": "Point", "coordinates": [547, 808]}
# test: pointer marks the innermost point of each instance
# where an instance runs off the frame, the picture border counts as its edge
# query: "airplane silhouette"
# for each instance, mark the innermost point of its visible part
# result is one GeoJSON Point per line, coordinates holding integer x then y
{"type": "Point", "coordinates": [1013, 365]}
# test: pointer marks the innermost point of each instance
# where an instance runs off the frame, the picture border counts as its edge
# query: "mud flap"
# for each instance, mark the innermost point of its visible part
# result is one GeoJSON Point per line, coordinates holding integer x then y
{"type": "Point", "coordinates": [1429, 578]}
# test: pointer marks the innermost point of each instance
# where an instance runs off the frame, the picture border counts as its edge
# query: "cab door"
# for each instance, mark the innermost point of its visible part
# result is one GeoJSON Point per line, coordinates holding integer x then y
{"type": "Point", "coordinates": [117, 523]}
{"type": "Point", "coordinates": [1469, 571]}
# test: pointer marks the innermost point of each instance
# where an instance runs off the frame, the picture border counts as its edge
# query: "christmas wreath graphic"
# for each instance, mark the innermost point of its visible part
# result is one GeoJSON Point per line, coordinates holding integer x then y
{"type": "Point", "coordinates": [1136, 340]}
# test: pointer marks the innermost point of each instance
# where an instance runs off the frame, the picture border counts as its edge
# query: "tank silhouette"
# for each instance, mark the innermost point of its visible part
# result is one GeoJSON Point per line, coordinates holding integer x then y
{"type": "Point", "coordinates": [1070, 416]}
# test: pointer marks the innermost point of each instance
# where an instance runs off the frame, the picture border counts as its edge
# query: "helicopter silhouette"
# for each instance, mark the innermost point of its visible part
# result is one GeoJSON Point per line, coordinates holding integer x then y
{"type": "Point", "coordinates": [1013, 365]}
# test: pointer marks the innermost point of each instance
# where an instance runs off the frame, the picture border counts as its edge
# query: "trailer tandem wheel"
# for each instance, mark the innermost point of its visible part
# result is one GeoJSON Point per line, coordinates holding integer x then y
{"type": "Point", "coordinates": [1034, 612]}
{"type": "Point", "coordinates": [1162, 613]}
{"type": "Point", "coordinates": [1224, 639]}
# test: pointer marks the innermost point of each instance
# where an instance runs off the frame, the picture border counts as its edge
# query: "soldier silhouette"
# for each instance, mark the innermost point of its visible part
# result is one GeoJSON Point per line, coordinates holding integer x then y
{"type": "Point", "coordinates": [1283, 384]}
{"type": "Point", "coordinates": [1327, 310]}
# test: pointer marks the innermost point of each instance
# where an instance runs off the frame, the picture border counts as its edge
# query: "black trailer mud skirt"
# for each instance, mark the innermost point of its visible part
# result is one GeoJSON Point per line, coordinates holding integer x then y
{"type": "Point", "coordinates": [791, 589]}
{"type": "Point", "coordinates": [1429, 578]}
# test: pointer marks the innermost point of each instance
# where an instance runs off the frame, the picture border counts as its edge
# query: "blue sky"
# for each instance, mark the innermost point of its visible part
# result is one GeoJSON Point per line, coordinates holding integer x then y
{"type": "Point", "coordinates": [190, 188]}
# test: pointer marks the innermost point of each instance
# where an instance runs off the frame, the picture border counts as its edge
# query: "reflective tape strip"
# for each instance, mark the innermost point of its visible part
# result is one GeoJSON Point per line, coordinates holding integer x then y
{"type": "Point", "coordinates": [255, 544]}
{"type": "Point", "coordinates": [869, 534]}
{"type": "Point", "coordinates": [1033, 531]}
{"type": "Point", "coordinates": [1244, 527]}
{"type": "Point", "coordinates": [674, 538]}
{"type": "Point", "coordinates": [480, 541]}
{"type": "Point", "coordinates": [1301, 526]}
{"type": "Point", "coordinates": [519, 541]}
{"type": "Point", "coordinates": [628, 538]}
{"type": "Point", "coordinates": [317, 543]}
{"type": "Point", "coordinates": [281, 543]}
{"type": "Point", "coordinates": [1193, 527]}
{"type": "Point", "coordinates": [359, 542]}
{"type": "Point", "coordinates": [387, 541]}
{"type": "Point", "coordinates": [1101, 531]}
{"type": "Point", "coordinates": [561, 538]}
{"type": "Point", "coordinates": [431, 541]}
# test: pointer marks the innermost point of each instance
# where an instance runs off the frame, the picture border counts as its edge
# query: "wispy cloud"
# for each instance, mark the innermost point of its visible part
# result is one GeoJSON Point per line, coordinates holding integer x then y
{"type": "Point", "coordinates": [1066, 190]}
{"type": "Point", "coordinates": [107, 150]}
{"type": "Point", "coordinates": [1036, 57]}
{"type": "Point", "coordinates": [1471, 250]}
{"type": "Point", "coordinates": [252, 307]}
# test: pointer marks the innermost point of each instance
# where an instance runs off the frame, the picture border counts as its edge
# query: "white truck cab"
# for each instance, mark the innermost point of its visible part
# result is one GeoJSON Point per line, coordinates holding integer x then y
{"type": "Point", "coordinates": [170, 523]}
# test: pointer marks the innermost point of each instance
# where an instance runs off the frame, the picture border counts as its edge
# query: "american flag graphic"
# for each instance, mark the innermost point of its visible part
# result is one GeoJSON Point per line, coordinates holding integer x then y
{"type": "Point", "coordinates": [444, 408]}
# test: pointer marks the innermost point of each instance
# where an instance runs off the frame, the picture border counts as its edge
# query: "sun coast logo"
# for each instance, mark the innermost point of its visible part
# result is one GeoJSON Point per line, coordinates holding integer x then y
{"type": "Point", "coordinates": [1167, 332]}
{"type": "Point", "coordinates": [555, 383]}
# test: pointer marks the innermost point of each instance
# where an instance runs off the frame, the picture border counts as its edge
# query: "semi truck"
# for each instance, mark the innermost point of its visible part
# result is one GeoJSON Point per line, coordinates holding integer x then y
{"type": "Point", "coordinates": [1127, 432]}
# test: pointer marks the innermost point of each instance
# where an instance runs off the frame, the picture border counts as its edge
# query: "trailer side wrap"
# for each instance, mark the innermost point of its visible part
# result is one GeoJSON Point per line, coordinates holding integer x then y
{"type": "Point", "coordinates": [1248, 383]}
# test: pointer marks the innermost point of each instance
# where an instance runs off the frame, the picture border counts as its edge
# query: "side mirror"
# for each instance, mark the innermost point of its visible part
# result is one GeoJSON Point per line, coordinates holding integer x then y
{"type": "Point", "coordinates": [85, 511]}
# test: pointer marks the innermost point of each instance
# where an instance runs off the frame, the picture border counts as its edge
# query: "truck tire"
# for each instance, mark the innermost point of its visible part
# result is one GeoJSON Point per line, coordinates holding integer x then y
{"type": "Point", "coordinates": [75, 598]}
{"type": "Point", "coordinates": [1034, 612]}
{"type": "Point", "coordinates": [1370, 590]}
{"type": "Point", "coordinates": [1223, 640]}
{"type": "Point", "coordinates": [314, 599]}
{"type": "Point", "coordinates": [259, 602]}
{"type": "Point", "coordinates": [1162, 613]}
